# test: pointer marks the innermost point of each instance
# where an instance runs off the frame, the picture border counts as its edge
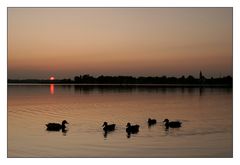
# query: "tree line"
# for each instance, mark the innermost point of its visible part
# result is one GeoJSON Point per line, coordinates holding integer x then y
{"type": "Point", "coordinates": [88, 79]}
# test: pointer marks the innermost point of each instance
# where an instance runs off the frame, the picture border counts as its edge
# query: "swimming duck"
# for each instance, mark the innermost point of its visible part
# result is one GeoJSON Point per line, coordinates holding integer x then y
{"type": "Point", "coordinates": [110, 127]}
{"type": "Point", "coordinates": [56, 126]}
{"type": "Point", "coordinates": [132, 128]}
{"type": "Point", "coordinates": [172, 124]}
{"type": "Point", "coordinates": [151, 121]}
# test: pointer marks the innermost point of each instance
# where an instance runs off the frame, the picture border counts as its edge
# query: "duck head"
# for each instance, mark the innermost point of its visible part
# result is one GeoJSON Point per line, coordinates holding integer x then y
{"type": "Point", "coordinates": [64, 122]}
{"type": "Point", "coordinates": [105, 124]}
{"type": "Point", "coordinates": [166, 120]}
{"type": "Point", "coordinates": [128, 125]}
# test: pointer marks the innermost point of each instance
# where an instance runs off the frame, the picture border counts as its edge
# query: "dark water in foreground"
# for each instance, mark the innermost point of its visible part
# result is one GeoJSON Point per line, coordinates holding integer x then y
{"type": "Point", "coordinates": [206, 115]}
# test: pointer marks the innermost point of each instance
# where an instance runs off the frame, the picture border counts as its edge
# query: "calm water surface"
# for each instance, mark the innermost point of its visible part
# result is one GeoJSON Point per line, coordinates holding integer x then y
{"type": "Point", "coordinates": [206, 115]}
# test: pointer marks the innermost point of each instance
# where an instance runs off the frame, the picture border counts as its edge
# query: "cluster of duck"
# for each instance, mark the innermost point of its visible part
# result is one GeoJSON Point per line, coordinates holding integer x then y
{"type": "Point", "coordinates": [130, 129]}
{"type": "Point", "coordinates": [135, 128]}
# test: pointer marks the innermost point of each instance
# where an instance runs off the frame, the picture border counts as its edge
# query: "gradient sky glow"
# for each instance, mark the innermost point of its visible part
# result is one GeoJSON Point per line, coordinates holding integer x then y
{"type": "Point", "coordinates": [65, 42]}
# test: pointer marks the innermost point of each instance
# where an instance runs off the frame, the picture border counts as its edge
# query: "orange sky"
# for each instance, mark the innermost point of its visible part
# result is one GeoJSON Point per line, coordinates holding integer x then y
{"type": "Point", "coordinates": [65, 42]}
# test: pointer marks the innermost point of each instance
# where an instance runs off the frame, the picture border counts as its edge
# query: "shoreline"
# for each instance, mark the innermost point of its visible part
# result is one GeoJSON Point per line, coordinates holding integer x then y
{"type": "Point", "coordinates": [133, 85]}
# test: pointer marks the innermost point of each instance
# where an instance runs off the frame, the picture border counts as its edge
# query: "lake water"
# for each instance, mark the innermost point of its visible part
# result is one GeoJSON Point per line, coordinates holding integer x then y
{"type": "Point", "coordinates": [206, 114]}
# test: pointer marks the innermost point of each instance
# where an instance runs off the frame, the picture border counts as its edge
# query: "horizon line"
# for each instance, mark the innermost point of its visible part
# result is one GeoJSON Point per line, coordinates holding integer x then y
{"type": "Point", "coordinates": [185, 76]}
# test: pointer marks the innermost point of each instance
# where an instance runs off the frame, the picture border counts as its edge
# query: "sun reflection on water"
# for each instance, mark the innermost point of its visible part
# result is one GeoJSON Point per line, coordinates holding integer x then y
{"type": "Point", "coordinates": [52, 89]}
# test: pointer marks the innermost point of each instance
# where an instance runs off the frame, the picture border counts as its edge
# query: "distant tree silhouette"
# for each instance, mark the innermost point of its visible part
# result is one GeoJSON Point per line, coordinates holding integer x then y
{"type": "Point", "coordinates": [88, 79]}
{"type": "Point", "coordinates": [77, 79]}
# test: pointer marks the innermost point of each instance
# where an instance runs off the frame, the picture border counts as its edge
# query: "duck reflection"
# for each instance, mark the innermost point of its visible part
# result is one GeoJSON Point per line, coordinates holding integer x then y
{"type": "Point", "coordinates": [64, 132]}
{"type": "Point", "coordinates": [128, 134]}
{"type": "Point", "coordinates": [105, 134]}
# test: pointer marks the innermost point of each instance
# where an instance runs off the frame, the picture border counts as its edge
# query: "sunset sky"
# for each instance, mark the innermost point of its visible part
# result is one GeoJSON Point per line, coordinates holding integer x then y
{"type": "Point", "coordinates": [65, 42]}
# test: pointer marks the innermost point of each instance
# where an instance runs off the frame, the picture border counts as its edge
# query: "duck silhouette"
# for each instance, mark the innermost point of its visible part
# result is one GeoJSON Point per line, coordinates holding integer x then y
{"type": "Point", "coordinates": [132, 128]}
{"type": "Point", "coordinates": [107, 128]}
{"type": "Point", "coordinates": [151, 122]}
{"type": "Point", "coordinates": [57, 126]}
{"type": "Point", "coordinates": [172, 124]}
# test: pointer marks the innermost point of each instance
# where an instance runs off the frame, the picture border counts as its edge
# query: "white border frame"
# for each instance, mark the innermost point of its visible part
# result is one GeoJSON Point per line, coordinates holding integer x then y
{"type": "Point", "coordinates": [119, 3]}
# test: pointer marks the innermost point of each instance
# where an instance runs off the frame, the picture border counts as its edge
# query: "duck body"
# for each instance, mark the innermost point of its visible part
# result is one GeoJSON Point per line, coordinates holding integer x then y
{"type": "Point", "coordinates": [172, 124]}
{"type": "Point", "coordinates": [107, 128]}
{"type": "Point", "coordinates": [132, 128]}
{"type": "Point", "coordinates": [56, 126]}
{"type": "Point", "coordinates": [151, 121]}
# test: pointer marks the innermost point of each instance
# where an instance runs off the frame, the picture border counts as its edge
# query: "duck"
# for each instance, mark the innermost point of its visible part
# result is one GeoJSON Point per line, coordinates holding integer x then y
{"type": "Point", "coordinates": [107, 128]}
{"type": "Point", "coordinates": [56, 126]}
{"type": "Point", "coordinates": [172, 124]}
{"type": "Point", "coordinates": [151, 121]}
{"type": "Point", "coordinates": [132, 128]}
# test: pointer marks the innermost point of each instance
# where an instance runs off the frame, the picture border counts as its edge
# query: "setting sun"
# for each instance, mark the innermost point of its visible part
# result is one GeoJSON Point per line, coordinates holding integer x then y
{"type": "Point", "coordinates": [52, 78]}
